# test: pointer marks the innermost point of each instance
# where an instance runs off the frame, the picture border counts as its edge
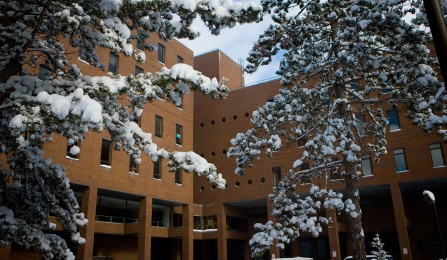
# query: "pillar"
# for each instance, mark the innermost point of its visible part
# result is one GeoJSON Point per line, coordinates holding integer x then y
{"type": "Point", "coordinates": [145, 225]}
{"type": "Point", "coordinates": [401, 222]}
{"type": "Point", "coordinates": [88, 207]}
{"type": "Point", "coordinates": [187, 230]}
{"type": "Point", "coordinates": [222, 234]}
{"type": "Point", "coordinates": [334, 238]}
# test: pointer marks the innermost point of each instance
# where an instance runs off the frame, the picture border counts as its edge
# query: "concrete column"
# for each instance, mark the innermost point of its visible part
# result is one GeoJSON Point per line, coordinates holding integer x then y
{"type": "Point", "coordinates": [222, 234]}
{"type": "Point", "coordinates": [187, 237]}
{"type": "Point", "coordinates": [401, 222]}
{"type": "Point", "coordinates": [88, 207]}
{"type": "Point", "coordinates": [145, 222]}
{"type": "Point", "coordinates": [334, 239]}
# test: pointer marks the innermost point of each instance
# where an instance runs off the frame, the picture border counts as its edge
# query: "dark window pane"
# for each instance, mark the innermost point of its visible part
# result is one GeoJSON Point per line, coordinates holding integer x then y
{"type": "Point", "coordinates": [178, 176]}
{"type": "Point", "coordinates": [105, 152]}
{"type": "Point", "coordinates": [180, 94]}
{"type": "Point", "coordinates": [157, 169]}
{"type": "Point", "coordinates": [276, 176]}
{"type": "Point", "coordinates": [69, 154]}
{"type": "Point", "coordinates": [161, 53]}
{"type": "Point", "coordinates": [179, 59]}
{"type": "Point", "coordinates": [138, 70]}
{"type": "Point", "coordinates": [140, 44]}
{"type": "Point", "coordinates": [133, 167]}
{"type": "Point", "coordinates": [113, 63]}
{"type": "Point", "coordinates": [158, 126]}
{"type": "Point", "coordinates": [360, 124]}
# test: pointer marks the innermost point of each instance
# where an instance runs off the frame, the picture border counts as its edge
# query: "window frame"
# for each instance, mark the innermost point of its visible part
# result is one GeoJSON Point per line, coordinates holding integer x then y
{"type": "Point", "coordinates": [138, 68]}
{"type": "Point", "coordinates": [70, 155]}
{"type": "Point", "coordinates": [179, 134]}
{"type": "Point", "coordinates": [157, 165]}
{"type": "Point", "coordinates": [440, 154]}
{"type": "Point", "coordinates": [161, 53]}
{"type": "Point", "coordinates": [276, 176]}
{"type": "Point", "coordinates": [363, 158]}
{"type": "Point", "coordinates": [178, 177]}
{"type": "Point", "coordinates": [400, 155]}
{"type": "Point", "coordinates": [180, 59]}
{"type": "Point", "coordinates": [110, 65]}
{"type": "Point", "coordinates": [140, 44]}
{"type": "Point", "coordinates": [109, 161]}
{"type": "Point", "coordinates": [393, 113]}
{"type": "Point", "coordinates": [158, 126]}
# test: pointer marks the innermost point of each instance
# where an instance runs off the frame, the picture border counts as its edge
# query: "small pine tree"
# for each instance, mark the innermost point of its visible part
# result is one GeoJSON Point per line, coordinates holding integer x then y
{"type": "Point", "coordinates": [378, 251]}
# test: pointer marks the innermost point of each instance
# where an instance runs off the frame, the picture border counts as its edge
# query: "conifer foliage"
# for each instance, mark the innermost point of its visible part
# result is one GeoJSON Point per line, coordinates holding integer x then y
{"type": "Point", "coordinates": [344, 64]}
{"type": "Point", "coordinates": [42, 93]}
{"type": "Point", "coordinates": [378, 247]}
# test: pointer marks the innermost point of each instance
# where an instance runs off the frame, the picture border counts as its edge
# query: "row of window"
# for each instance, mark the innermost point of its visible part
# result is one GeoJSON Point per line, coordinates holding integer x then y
{"type": "Point", "coordinates": [236, 224]}
{"type": "Point", "coordinates": [223, 120]}
{"type": "Point", "coordinates": [399, 159]}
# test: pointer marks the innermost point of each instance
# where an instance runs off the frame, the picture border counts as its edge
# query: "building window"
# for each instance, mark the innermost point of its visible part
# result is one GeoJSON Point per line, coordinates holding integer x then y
{"type": "Point", "coordinates": [140, 43]}
{"type": "Point", "coordinates": [276, 176]}
{"type": "Point", "coordinates": [75, 153]}
{"type": "Point", "coordinates": [177, 220]}
{"type": "Point", "coordinates": [210, 222]}
{"type": "Point", "coordinates": [157, 168]}
{"type": "Point", "coordinates": [105, 152]}
{"type": "Point", "coordinates": [133, 166]}
{"type": "Point", "coordinates": [399, 157]}
{"type": "Point", "coordinates": [366, 165]}
{"type": "Point", "coordinates": [236, 224]}
{"type": "Point", "coordinates": [161, 53]}
{"type": "Point", "coordinates": [197, 223]}
{"type": "Point", "coordinates": [436, 155]}
{"type": "Point", "coordinates": [178, 176]}
{"type": "Point", "coordinates": [158, 126]}
{"type": "Point", "coordinates": [334, 171]}
{"type": "Point", "coordinates": [113, 63]}
{"type": "Point", "coordinates": [393, 120]}
{"type": "Point", "coordinates": [179, 59]}
{"type": "Point", "coordinates": [138, 70]}
{"type": "Point", "coordinates": [178, 134]}
{"type": "Point", "coordinates": [360, 125]}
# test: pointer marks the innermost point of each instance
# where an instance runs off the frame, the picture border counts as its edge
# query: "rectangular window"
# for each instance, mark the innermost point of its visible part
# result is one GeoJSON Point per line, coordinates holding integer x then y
{"type": "Point", "coordinates": [177, 220]}
{"type": "Point", "coordinates": [178, 134]}
{"type": "Point", "coordinates": [161, 53]}
{"type": "Point", "coordinates": [436, 155]}
{"type": "Point", "coordinates": [138, 70]}
{"type": "Point", "coordinates": [179, 59]}
{"type": "Point", "coordinates": [75, 154]}
{"type": "Point", "coordinates": [178, 176]}
{"type": "Point", "coordinates": [140, 43]}
{"type": "Point", "coordinates": [276, 176]}
{"type": "Point", "coordinates": [113, 63]}
{"type": "Point", "coordinates": [197, 223]}
{"type": "Point", "coordinates": [133, 167]}
{"type": "Point", "coordinates": [366, 165]}
{"type": "Point", "coordinates": [158, 126]}
{"type": "Point", "coordinates": [393, 120]}
{"type": "Point", "coordinates": [360, 125]}
{"type": "Point", "coordinates": [157, 168]}
{"type": "Point", "coordinates": [105, 152]}
{"type": "Point", "coordinates": [399, 157]}
{"type": "Point", "coordinates": [236, 224]}
{"type": "Point", "coordinates": [210, 222]}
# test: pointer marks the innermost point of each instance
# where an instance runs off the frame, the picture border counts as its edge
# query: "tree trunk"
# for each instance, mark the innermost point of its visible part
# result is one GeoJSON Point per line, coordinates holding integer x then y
{"type": "Point", "coordinates": [355, 224]}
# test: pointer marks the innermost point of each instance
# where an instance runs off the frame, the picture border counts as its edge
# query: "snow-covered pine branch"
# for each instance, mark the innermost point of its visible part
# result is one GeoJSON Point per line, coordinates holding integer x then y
{"type": "Point", "coordinates": [44, 34]}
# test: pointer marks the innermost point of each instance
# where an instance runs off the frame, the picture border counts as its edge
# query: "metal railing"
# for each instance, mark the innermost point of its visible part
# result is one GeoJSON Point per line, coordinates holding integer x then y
{"type": "Point", "coordinates": [114, 219]}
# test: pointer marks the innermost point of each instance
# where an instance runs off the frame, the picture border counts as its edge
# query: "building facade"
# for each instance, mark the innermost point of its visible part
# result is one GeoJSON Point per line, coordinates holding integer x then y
{"type": "Point", "coordinates": [390, 191]}
{"type": "Point", "coordinates": [146, 212]}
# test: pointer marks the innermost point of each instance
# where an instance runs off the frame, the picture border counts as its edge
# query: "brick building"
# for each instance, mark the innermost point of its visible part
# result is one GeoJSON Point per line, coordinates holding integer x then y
{"type": "Point", "coordinates": [147, 212]}
{"type": "Point", "coordinates": [390, 191]}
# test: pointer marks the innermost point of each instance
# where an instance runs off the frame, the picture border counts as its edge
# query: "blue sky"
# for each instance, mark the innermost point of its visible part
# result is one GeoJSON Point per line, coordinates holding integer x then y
{"type": "Point", "coordinates": [235, 42]}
